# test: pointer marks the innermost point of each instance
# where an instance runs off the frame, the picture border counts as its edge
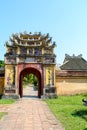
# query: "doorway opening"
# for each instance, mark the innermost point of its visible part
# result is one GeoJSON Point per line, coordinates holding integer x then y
{"type": "Point", "coordinates": [30, 86]}
{"type": "Point", "coordinates": [29, 73]}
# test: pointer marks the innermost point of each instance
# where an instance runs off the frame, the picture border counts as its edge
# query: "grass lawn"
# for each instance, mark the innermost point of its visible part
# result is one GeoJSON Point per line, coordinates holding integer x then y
{"type": "Point", "coordinates": [70, 111]}
{"type": "Point", "coordinates": [2, 114]}
{"type": "Point", "coordinates": [7, 101]}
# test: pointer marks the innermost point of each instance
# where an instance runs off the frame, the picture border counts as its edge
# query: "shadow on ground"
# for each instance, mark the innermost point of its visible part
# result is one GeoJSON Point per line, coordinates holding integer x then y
{"type": "Point", "coordinates": [29, 96]}
{"type": "Point", "coordinates": [81, 113]}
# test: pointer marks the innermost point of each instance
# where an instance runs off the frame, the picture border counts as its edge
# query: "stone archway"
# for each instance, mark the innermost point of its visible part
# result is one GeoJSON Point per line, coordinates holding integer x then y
{"type": "Point", "coordinates": [34, 71]}
{"type": "Point", "coordinates": [29, 53]}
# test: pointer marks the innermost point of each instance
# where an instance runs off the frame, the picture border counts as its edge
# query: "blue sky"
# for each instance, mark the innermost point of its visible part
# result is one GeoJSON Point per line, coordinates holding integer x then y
{"type": "Point", "coordinates": [64, 20]}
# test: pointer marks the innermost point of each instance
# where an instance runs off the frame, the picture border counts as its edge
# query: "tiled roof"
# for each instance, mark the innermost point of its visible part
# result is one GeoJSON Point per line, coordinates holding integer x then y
{"type": "Point", "coordinates": [74, 63]}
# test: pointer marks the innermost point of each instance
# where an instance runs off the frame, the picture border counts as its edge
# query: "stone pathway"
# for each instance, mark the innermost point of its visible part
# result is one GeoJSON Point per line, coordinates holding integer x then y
{"type": "Point", "coordinates": [30, 114]}
{"type": "Point", "coordinates": [5, 108]}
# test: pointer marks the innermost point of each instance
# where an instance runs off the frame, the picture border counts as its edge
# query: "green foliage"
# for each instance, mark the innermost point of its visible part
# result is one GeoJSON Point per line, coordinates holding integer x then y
{"type": "Point", "coordinates": [30, 78]}
{"type": "Point", "coordinates": [7, 101]}
{"type": "Point", "coordinates": [70, 111]}
{"type": "Point", "coordinates": [35, 87]}
{"type": "Point", "coordinates": [1, 63]}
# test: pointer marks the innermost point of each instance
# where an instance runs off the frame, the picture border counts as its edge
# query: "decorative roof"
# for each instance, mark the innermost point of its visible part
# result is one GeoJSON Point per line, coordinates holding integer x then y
{"type": "Point", "coordinates": [30, 47]}
{"type": "Point", "coordinates": [29, 38]}
{"type": "Point", "coordinates": [74, 63]}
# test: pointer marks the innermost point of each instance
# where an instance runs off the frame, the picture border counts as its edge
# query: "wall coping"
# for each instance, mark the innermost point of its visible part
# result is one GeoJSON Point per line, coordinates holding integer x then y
{"type": "Point", "coordinates": [71, 73]}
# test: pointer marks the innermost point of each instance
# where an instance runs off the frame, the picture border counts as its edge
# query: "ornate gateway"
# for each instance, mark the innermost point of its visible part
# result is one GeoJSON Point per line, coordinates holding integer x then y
{"type": "Point", "coordinates": [25, 54]}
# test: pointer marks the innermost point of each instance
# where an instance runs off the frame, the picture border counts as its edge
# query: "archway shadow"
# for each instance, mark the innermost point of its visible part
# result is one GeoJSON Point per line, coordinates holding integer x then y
{"type": "Point", "coordinates": [30, 96]}
{"type": "Point", "coordinates": [81, 113]}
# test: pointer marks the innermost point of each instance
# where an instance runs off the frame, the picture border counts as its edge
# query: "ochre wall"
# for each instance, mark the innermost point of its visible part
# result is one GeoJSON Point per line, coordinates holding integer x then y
{"type": "Point", "coordinates": [71, 85]}
{"type": "Point", "coordinates": [9, 73]}
{"type": "Point", "coordinates": [50, 75]}
{"type": "Point", "coordinates": [1, 85]}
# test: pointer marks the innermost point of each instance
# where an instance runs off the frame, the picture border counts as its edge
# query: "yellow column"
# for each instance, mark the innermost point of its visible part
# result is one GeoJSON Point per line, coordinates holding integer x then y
{"type": "Point", "coordinates": [18, 50]}
{"type": "Point", "coordinates": [42, 51]}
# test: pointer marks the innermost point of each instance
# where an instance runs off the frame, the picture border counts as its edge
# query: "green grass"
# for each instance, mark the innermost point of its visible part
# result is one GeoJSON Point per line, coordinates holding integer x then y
{"type": "Point", "coordinates": [70, 111]}
{"type": "Point", "coordinates": [7, 101]}
{"type": "Point", "coordinates": [2, 114]}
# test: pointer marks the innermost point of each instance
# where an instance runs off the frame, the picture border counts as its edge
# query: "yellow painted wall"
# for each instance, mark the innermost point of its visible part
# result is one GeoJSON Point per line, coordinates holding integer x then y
{"type": "Point", "coordinates": [47, 75]}
{"type": "Point", "coordinates": [1, 85]}
{"type": "Point", "coordinates": [71, 85]}
{"type": "Point", "coordinates": [9, 73]}
{"type": "Point", "coordinates": [50, 71]}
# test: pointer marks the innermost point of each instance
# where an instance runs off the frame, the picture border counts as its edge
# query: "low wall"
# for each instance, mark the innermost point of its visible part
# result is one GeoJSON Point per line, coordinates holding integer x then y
{"type": "Point", "coordinates": [71, 84]}
{"type": "Point", "coordinates": [1, 85]}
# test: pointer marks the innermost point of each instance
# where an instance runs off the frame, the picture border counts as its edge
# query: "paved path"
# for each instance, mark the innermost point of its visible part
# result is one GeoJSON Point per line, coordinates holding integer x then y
{"type": "Point", "coordinates": [29, 114]}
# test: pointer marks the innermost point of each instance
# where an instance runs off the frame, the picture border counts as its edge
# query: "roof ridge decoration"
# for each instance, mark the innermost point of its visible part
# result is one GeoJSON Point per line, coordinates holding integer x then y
{"type": "Point", "coordinates": [24, 37]}
{"type": "Point", "coordinates": [74, 63]}
{"type": "Point", "coordinates": [73, 56]}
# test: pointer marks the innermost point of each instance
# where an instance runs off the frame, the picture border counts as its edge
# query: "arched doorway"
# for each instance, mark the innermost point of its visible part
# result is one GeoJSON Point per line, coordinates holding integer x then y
{"type": "Point", "coordinates": [29, 53]}
{"type": "Point", "coordinates": [34, 71]}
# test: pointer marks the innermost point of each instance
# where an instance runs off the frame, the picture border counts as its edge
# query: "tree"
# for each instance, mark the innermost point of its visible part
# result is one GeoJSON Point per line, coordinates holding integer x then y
{"type": "Point", "coordinates": [30, 78]}
{"type": "Point", "coordinates": [2, 63]}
